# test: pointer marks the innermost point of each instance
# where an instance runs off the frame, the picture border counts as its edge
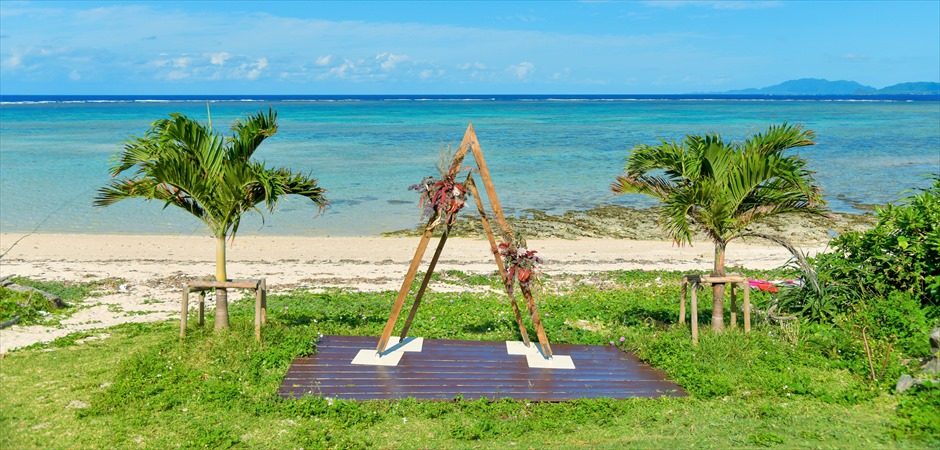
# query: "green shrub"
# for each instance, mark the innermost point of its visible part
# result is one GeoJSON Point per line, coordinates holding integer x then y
{"type": "Point", "coordinates": [30, 307]}
{"type": "Point", "coordinates": [902, 251]}
{"type": "Point", "coordinates": [919, 414]}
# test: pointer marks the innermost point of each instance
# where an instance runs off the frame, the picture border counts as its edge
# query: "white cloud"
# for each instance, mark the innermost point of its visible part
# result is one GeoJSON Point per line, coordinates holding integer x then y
{"type": "Point", "coordinates": [474, 66]}
{"type": "Point", "coordinates": [563, 74]}
{"type": "Point", "coordinates": [324, 61]}
{"type": "Point", "coordinates": [522, 70]}
{"type": "Point", "coordinates": [75, 75]}
{"type": "Point", "coordinates": [218, 59]}
{"type": "Point", "coordinates": [341, 71]}
{"type": "Point", "coordinates": [15, 61]}
{"type": "Point", "coordinates": [388, 61]}
{"type": "Point", "coordinates": [257, 67]}
{"type": "Point", "coordinates": [674, 4]}
{"type": "Point", "coordinates": [854, 57]}
{"type": "Point", "coordinates": [428, 74]}
{"type": "Point", "coordinates": [176, 75]}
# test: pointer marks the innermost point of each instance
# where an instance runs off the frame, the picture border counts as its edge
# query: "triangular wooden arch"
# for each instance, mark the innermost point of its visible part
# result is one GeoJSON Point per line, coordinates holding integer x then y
{"type": "Point", "coordinates": [471, 144]}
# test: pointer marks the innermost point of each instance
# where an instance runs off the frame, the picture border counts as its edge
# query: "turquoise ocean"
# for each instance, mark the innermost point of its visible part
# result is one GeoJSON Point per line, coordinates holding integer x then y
{"type": "Point", "coordinates": [548, 153]}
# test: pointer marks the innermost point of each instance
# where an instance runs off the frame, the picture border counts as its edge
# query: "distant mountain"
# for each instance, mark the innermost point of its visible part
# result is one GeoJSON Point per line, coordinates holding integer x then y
{"type": "Point", "coordinates": [921, 87]}
{"type": "Point", "coordinates": [816, 86]}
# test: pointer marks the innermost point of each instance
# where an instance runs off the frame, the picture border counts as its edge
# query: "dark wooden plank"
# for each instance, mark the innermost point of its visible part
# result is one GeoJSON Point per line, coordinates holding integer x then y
{"type": "Point", "coordinates": [446, 369]}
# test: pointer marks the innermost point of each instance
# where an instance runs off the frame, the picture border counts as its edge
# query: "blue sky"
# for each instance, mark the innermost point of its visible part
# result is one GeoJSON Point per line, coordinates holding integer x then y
{"type": "Point", "coordinates": [664, 47]}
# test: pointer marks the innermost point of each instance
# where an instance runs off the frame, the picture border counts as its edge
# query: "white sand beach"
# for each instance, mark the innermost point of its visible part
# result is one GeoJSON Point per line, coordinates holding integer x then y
{"type": "Point", "coordinates": [152, 268]}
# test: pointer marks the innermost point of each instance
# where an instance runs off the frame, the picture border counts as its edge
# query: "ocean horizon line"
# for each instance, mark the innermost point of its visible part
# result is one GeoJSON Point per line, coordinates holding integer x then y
{"type": "Point", "coordinates": [7, 99]}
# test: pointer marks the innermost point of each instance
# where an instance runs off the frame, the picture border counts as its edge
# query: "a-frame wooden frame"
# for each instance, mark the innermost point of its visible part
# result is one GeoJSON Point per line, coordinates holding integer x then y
{"type": "Point", "coordinates": [468, 144]}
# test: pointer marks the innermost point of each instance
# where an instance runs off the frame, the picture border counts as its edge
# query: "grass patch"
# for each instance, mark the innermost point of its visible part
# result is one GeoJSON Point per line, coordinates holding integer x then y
{"type": "Point", "coordinates": [142, 386]}
{"type": "Point", "coordinates": [33, 308]}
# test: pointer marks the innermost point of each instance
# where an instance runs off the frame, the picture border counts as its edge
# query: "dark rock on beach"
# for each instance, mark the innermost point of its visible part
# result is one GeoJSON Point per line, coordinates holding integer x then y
{"type": "Point", "coordinates": [621, 222]}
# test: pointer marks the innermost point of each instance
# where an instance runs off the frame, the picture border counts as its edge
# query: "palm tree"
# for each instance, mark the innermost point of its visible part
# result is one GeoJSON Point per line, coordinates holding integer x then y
{"type": "Point", "coordinates": [182, 163]}
{"type": "Point", "coordinates": [720, 188]}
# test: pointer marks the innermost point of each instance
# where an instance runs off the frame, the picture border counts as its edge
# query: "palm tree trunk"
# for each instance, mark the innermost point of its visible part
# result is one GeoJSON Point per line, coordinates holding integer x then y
{"type": "Point", "coordinates": [221, 294]}
{"type": "Point", "coordinates": [718, 289]}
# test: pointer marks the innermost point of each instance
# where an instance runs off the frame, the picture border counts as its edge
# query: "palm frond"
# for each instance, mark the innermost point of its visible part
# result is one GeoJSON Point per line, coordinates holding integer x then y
{"type": "Point", "coordinates": [248, 135]}
{"type": "Point", "coordinates": [779, 138]}
{"type": "Point", "coordinates": [653, 186]}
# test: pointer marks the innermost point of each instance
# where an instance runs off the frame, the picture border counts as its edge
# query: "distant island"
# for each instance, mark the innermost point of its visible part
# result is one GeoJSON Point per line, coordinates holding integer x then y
{"type": "Point", "coordinates": [816, 86]}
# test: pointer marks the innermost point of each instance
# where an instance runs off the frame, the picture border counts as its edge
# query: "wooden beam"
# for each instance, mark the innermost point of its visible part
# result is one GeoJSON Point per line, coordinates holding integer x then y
{"type": "Point", "coordinates": [683, 291]}
{"type": "Point", "coordinates": [488, 182]}
{"type": "Point", "coordinates": [747, 307]}
{"type": "Point", "coordinates": [424, 284]}
{"type": "Point", "coordinates": [184, 313]}
{"type": "Point", "coordinates": [405, 287]}
{"type": "Point", "coordinates": [537, 321]}
{"type": "Point", "coordinates": [499, 261]}
{"type": "Point", "coordinates": [693, 288]}
{"type": "Point", "coordinates": [236, 284]}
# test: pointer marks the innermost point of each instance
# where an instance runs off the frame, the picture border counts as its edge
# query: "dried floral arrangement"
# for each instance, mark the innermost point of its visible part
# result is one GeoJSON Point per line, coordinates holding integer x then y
{"type": "Point", "coordinates": [521, 263]}
{"type": "Point", "coordinates": [441, 198]}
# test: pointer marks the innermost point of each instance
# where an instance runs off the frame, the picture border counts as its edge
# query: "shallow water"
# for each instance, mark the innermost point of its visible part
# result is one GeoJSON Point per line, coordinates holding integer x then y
{"type": "Point", "coordinates": [550, 155]}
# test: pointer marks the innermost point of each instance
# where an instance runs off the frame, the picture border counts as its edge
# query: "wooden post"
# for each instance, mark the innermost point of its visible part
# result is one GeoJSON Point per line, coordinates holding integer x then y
{"type": "Point", "coordinates": [499, 261]}
{"type": "Point", "coordinates": [694, 317]}
{"type": "Point", "coordinates": [683, 288]}
{"type": "Point", "coordinates": [403, 292]}
{"type": "Point", "coordinates": [734, 306]}
{"type": "Point", "coordinates": [747, 307]}
{"type": "Point", "coordinates": [537, 322]}
{"type": "Point", "coordinates": [424, 284]}
{"type": "Point", "coordinates": [202, 308]}
{"type": "Point", "coordinates": [488, 182]}
{"type": "Point", "coordinates": [258, 295]}
{"type": "Point", "coordinates": [498, 212]}
{"type": "Point", "coordinates": [185, 311]}
{"type": "Point", "coordinates": [264, 300]}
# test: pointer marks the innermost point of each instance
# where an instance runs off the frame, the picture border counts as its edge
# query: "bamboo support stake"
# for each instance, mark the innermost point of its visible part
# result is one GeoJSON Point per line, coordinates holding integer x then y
{"type": "Point", "coordinates": [202, 308]}
{"type": "Point", "coordinates": [424, 284]}
{"type": "Point", "coordinates": [264, 300]}
{"type": "Point", "coordinates": [683, 289]}
{"type": "Point", "coordinates": [694, 318]}
{"type": "Point", "coordinates": [184, 312]}
{"type": "Point", "coordinates": [747, 307]}
{"type": "Point", "coordinates": [258, 293]}
{"type": "Point", "coordinates": [734, 306]}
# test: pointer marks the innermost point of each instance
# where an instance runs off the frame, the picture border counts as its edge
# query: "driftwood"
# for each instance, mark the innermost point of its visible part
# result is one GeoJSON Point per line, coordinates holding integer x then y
{"type": "Point", "coordinates": [770, 314]}
{"type": "Point", "coordinates": [800, 257]}
{"type": "Point", "coordinates": [10, 322]}
{"type": "Point", "coordinates": [55, 299]}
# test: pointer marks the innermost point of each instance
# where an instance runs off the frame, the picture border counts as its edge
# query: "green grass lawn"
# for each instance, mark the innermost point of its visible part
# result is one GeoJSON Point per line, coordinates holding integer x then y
{"type": "Point", "coordinates": [141, 386]}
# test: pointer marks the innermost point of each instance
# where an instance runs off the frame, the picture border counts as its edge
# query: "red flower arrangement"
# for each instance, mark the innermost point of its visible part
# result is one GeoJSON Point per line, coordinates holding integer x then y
{"type": "Point", "coordinates": [521, 264]}
{"type": "Point", "coordinates": [442, 198]}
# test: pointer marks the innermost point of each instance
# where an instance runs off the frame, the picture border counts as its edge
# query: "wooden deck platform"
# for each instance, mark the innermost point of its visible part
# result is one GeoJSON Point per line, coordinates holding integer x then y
{"type": "Point", "coordinates": [444, 369]}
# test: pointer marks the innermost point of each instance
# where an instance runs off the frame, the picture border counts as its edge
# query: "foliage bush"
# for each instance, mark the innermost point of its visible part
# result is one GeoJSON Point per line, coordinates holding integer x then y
{"type": "Point", "coordinates": [884, 280]}
{"type": "Point", "coordinates": [919, 414]}
{"type": "Point", "coordinates": [30, 307]}
{"type": "Point", "coordinates": [901, 252]}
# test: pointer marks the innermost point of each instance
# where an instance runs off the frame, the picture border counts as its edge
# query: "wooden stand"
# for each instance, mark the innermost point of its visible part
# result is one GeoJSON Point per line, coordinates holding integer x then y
{"type": "Point", "coordinates": [469, 143]}
{"type": "Point", "coordinates": [259, 287]}
{"type": "Point", "coordinates": [695, 280]}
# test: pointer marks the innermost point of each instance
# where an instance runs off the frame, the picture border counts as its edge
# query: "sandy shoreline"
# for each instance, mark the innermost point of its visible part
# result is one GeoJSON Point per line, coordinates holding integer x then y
{"type": "Point", "coordinates": [153, 267]}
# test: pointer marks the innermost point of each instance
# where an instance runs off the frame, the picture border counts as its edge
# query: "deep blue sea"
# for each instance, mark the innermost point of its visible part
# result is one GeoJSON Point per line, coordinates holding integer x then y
{"type": "Point", "coordinates": [550, 153]}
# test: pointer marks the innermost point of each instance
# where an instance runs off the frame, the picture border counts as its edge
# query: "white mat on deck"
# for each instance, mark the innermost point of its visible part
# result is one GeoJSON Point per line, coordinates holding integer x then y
{"type": "Point", "coordinates": [535, 358]}
{"type": "Point", "coordinates": [392, 354]}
